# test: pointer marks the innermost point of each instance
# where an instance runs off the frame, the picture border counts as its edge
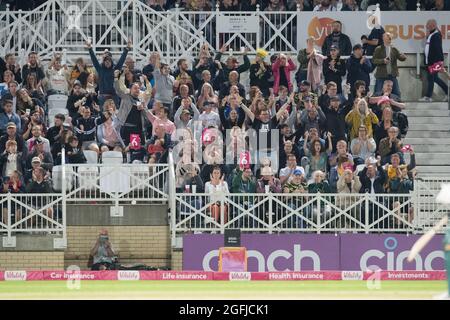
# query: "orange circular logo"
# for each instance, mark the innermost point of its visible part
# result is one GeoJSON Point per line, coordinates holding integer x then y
{"type": "Point", "coordinates": [319, 29]}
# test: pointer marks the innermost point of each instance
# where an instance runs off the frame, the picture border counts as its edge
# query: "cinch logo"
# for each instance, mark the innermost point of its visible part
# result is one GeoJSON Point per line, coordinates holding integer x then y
{"type": "Point", "coordinates": [352, 275]}
{"type": "Point", "coordinates": [298, 256]}
{"type": "Point", "coordinates": [15, 275]}
{"type": "Point", "coordinates": [391, 260]}
{"type": "Point", "coordinates": [128, 275]}
{"type": "Point", "coordinates": [240, 276]}
{"type": "Point", "coordinates": [319, 29]}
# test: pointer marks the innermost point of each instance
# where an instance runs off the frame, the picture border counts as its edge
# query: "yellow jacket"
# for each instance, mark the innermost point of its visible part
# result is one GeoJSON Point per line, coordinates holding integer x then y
{"type": "Point", "coordinates": [354, 119]}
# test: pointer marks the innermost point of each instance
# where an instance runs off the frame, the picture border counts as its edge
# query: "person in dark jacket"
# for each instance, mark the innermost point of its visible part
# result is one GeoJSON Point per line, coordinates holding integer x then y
{"type": "Point", "coordinates": [433, 54]}
{"type": "Point", "coordinates": [105, 73]}
{"type": "Point", "coordinates": [33, 67]}
{"type": "Point", "coordinates": [260, 73]}
{"type": "Point", "coordinates": [77, 99]}
{"type": "Point", "coordinates": [335, 122]}
{"type": "Point", "coordinates": [39, 185]}
{"type": "Point", "coordinates": [11, 134]}
{"type": "Point", "coordinates": [337, 38]}
{"type": "Point", "coordinates": [358, 67]}
{"type": "Point", "coordinates": [232, 64]}
{"type": "Point", "coordinates": [334, 68]}
{"type": "Point", "coordinates": [372, 177]}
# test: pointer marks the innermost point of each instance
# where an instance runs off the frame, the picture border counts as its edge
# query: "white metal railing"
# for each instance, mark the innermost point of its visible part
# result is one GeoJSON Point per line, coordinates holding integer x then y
{"type": "Point", "coordinates": [31, 213]}
{"type": "Point", "coordinates": [428, 211]}
{"type": "Point", "coordinates": [117, 183]}
{"type": "Point", "coordinates": [300, 213]}
{"type": "Point", "coordinates": [65, 25]}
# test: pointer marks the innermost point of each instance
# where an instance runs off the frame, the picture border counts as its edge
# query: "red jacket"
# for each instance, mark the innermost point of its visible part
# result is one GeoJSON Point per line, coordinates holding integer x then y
{"type": "Point", "coordinates": [276, 74]}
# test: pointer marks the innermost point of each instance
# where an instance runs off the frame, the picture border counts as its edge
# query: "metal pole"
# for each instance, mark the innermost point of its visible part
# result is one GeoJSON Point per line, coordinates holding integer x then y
{"type": "Point", "coordinates": [270, 213]}
{"type": "Point", "coordinates": [63, 193]}
{"type": "Point", "coordinates": [418, 53]}
{"type": "Point", "coordinates": [366, 212]}
{"type": "Point", "coordinates": [8, 217]}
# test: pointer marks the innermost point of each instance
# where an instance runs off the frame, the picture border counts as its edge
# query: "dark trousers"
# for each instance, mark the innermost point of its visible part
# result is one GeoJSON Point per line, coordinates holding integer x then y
{"type": "Point", "coordinates": [432, 78]}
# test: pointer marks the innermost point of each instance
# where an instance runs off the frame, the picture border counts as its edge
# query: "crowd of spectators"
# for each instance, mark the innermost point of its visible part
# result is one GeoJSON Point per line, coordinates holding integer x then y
{"type": "Point", "coordinates": [267, 5]}
{"type": "Point", "coordinates": [303, 5]}
{"type": "Point", "coordinates": [317, 126]}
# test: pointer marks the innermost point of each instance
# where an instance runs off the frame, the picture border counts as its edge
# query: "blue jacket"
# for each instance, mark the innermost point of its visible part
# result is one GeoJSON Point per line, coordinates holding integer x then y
{"type": "Point", "coordinates": [106, 75]}
{"type": "Point", "coordinates": [357, 71]}
{"type": "Point", "coordinates": [4, 121]}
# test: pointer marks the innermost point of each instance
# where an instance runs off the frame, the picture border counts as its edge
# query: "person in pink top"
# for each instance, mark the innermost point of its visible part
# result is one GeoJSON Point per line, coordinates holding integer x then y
{"type": "Point", "coordinates": [161, 119]}
{"type": "Point", "coordinates": [281, 69]}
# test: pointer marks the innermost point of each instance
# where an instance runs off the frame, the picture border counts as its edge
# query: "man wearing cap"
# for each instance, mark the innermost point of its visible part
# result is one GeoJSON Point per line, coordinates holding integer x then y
{"type": "Point", "coordinates": [290, 169]}
{"type": "Point", "coordinates": [268, 180]}
{"type": "Point", "coordinates": [334, 68]}
{"type": "Point", "coordinates": [12, 134]}
{"type": "Point", "coordinates": [38, 152]}
{"type": "Point", "coordinates": [183, 118]}
{"type": "Point", "coordinates": [358, 67]}
{"type": "Point", "coordinates": [105, 73]}
{"type": "Point", "coordinates": [338, 39]}
{"type": "Point", "coordinates": [335, 120]}
{"type": "Point", "coordinates": [8, 116]}
{"type": "Point", "coordinates": [304, 91]}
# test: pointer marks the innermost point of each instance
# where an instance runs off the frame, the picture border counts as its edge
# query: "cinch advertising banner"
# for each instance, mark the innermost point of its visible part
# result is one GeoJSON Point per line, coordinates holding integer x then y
{"type": "Point", "coordinates": [316, 252]}
{"type": "Point", "coordinates": [408, 28]}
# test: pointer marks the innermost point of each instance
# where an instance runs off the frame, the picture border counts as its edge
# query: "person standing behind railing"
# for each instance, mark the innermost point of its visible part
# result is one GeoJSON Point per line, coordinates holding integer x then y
{"type": "Point", "coordinates": [39, 185]}
{"type": "Point", "coordinates": [385, 58]}
{"type": "Point", "coordinates": [434, 56]}
{"type": "Point", "coordinates": [12, 184]}
{"type": "Point", "coordinates": [217, 188]}
{"type": "Point", "coordinates": [105, 72]}
{"type": "Point", "coordinates": [400, 179]}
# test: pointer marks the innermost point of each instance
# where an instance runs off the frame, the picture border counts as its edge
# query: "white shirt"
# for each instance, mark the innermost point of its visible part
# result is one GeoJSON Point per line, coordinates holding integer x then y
{"type": "Point", "coordinates": [210, 119]}
{"type": "Point", "coordinates": [288, 171]}
{"type": "Point", "coordinates": [219, 190]}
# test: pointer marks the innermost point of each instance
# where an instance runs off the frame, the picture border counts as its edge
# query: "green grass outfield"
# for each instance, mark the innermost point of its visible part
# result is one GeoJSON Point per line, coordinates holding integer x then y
{"type": "Point", "coordinates": [221, 290]}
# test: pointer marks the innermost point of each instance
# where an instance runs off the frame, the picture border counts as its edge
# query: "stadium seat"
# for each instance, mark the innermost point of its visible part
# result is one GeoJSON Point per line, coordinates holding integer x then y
{"type": "Point", "coordinates": [112, 157]}
{"type": "Point", "coordinates": [57, 178]}
{"type": "Point", "coordinates": [91, 156]}
{"type": "Point", "coordinates": [57, 101]}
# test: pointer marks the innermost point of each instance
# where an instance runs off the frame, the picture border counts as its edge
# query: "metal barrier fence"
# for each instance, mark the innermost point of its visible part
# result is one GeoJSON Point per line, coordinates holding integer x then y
{"type": "Point", "coordinates": [116, 183]}
{"type": "Point", "coordinates": [31, 213]}
{"type": "Point", "coordinates": [296, 212]}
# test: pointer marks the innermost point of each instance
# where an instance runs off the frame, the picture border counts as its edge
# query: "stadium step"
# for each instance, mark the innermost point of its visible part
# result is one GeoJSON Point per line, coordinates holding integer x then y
{"type": "Point", "coordinates": [431, 127]}
{"type": "Point", "coordinates": [425, 148]}
{"type": "Point", "coordinates": [427, 141]}
{"type": "Point", "coordinates": [439, 120]}
{"type": "Point", "coordinates": [426, 106]}
{"type": "Point", "coordinates": [420, 133]}
{"type": "Point", "coordinates": [433, 158]}
{"type": "Point", "coordinates": [435, 171]}
{"type": "Point", "coordinates": [426, 113]}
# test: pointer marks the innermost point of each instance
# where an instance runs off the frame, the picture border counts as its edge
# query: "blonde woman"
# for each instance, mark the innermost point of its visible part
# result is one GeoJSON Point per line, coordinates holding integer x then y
{"type": "Point", "coordinates": [207, 95]}
{"type": "Point", "coordinates": [361, 114]}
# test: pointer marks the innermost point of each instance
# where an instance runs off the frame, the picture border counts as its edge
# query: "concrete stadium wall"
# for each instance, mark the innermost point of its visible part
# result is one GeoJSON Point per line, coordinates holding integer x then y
{"type": "Point", "coordinates": [140, 236]}
{"type": "Point", "coordinates": [31, 260]}
{"type": "Point", "coordinates": [134, 244]}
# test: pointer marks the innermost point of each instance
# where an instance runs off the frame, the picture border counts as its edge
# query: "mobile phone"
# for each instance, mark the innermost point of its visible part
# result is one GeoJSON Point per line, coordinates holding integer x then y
{"type": "Point", "coordinates": [27, 112]}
